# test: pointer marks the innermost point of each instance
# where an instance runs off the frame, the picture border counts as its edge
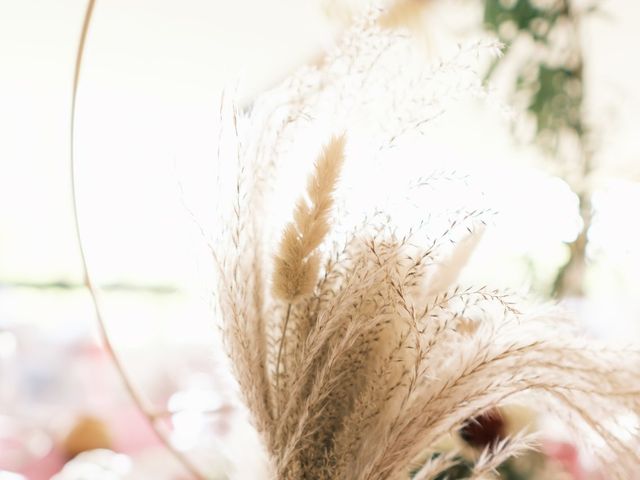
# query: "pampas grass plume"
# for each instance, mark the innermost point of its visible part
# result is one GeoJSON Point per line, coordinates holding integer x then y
{"type": "Point", "coordinates": [296, 264]}
{"type": "Point", "coordinates": [360, 358]}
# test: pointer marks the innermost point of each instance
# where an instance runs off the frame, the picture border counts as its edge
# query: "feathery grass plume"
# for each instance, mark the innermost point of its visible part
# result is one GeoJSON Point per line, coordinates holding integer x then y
{"type": "Point", "coordinates": [360, 359]}
{"type": "Point", "coordinates": [369, 73]}
{"type": "Point", "coordinates": [239, 260]}
{"type": "Point", "coordinates": [296, 266]}
{"type": "Point", "coordinates": [379, 369]}
{"type": "Point", "coordinates": [295, 273]}
{"type": "Point", "coordinates": [497, 453]}
{"type": "Point", "coordinates": [437, 465]}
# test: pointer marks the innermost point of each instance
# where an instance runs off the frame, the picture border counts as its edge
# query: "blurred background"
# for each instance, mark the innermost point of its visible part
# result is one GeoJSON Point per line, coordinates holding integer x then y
{"type": "Point", "coordinates": [556, 153]}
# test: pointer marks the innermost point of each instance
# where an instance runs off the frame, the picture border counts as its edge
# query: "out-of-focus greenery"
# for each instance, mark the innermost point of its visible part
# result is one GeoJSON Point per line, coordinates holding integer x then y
{"type": "Point", "coordinates": [550, 80]}
{"type": "Point", "coordinates": [531, 469]}
{"type": "Point", "coordinates": [551, 77]}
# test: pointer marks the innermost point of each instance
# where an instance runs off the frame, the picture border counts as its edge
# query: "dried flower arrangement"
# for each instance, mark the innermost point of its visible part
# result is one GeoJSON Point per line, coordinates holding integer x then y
{"type": "Point", "coordinates": [357, 368]}
{"type": "Point", "coordinates": [356, 359]}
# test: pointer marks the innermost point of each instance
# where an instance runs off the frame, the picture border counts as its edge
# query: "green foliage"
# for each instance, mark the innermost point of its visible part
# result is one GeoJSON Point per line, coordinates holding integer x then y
{"type": "Point", "coordinates": [551, 81]}
{"type": "Point", "coordinates": [459, 471]}
{"type": "Point", "coordinates": [508, 470]}
{"type": "Point", "coordinates": [525, 15]}
{"type": "Point", "coordinates": [557, 99]}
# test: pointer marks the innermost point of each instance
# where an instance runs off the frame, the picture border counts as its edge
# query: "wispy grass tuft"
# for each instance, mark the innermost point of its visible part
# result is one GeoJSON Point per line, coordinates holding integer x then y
{"type": "Point", "coordinates": [297, 264]}
{"type": "Point", "coordinates": [357, 358]}
{"type": "Point", "coordinates": [380, 355]}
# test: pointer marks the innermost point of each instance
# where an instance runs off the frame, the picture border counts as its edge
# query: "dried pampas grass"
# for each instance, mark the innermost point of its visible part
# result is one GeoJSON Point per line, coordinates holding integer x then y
{"type": "Point", "coordinates": [356, 358]}
{"type": "Point", "coordinates": [296, 265]}
{"type": "Point", "coordinates": [385, 356]}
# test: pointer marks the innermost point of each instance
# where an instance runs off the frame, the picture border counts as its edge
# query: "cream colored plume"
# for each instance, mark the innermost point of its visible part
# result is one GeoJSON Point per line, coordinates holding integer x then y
{"type": "Point", "coordinates": [296, 264]}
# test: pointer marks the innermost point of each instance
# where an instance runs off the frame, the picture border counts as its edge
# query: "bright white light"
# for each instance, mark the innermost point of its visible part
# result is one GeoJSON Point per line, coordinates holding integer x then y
{"type": "Point", "coordinates": [8, 344]}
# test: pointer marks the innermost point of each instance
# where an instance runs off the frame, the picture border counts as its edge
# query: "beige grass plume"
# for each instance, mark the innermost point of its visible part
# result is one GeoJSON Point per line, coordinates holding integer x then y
{"type": "Point", "coordinates": [372, 361]}
{"type": "Point", "coordinates": [357, 359]}
{"type": "Point", "coordinates": [296, 265]}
